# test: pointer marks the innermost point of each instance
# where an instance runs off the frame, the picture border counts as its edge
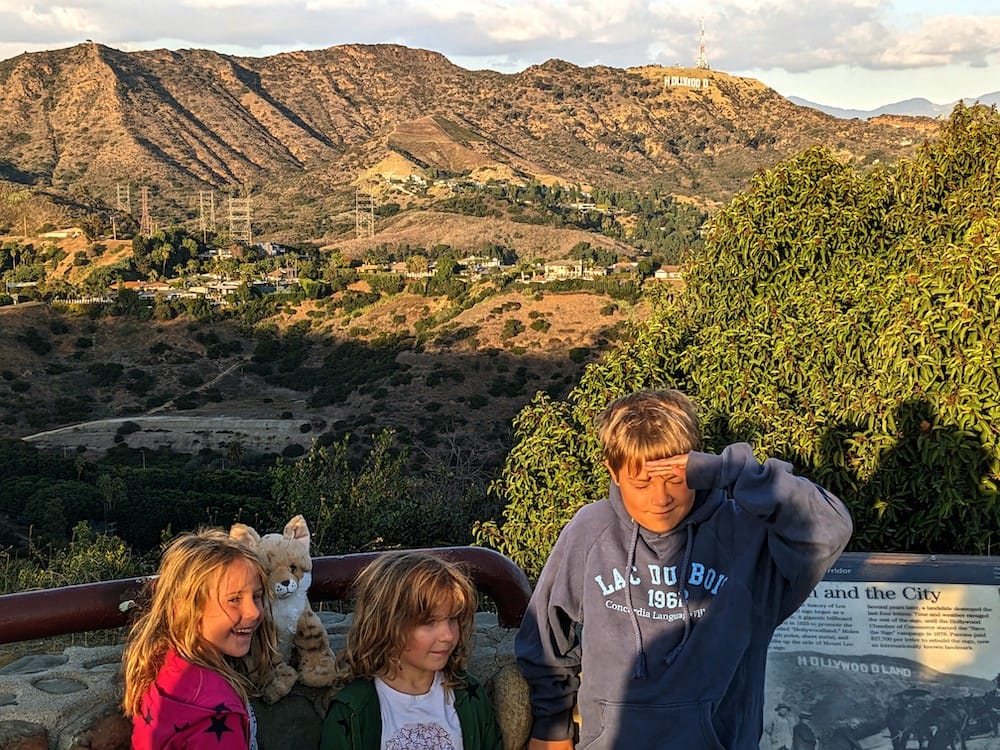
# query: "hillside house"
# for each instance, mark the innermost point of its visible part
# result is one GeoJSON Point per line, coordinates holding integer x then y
{"type": "Point", "coordinates": [668, 273]}
{"type": "Point", "coordinates": [272, 249]}
{"type": "Point", "coordinates": [148, 289]}
{"type": "Point", "coordinates": [561, 270]}
{"type": "Point", "coordinates": [625, 266]}
{"type": "Point", "coordinates": [62, 234]}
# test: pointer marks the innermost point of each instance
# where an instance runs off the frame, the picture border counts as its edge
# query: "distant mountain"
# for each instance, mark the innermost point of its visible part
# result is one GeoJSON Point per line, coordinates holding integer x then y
{"type": "Point", "coordinates": [908, 107]}
{"type": "Point", "coordinates": [301, 131]}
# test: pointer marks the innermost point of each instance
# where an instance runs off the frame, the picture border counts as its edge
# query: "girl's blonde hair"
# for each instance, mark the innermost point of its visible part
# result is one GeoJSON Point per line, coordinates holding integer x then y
{"type": "Point", "coordinates": [192, 567]}
{"type": "Point", "coordinates": [396, 593]}
{"type": "Point", "coordinates": [646, 425]}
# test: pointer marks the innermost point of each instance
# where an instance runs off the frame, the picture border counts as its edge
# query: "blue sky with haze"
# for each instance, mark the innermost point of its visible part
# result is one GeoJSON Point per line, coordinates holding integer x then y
{"type": "Point", "coordinates": [846, 53]}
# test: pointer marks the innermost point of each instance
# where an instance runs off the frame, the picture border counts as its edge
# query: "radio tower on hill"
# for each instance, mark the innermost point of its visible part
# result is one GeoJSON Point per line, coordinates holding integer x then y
{"type": "Point", "coordinates": [702, 61]}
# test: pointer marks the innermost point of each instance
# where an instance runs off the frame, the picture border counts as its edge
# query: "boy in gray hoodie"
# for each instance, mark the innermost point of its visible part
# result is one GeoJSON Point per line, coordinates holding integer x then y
{"type": "Point", "coordinates": [665, 594]}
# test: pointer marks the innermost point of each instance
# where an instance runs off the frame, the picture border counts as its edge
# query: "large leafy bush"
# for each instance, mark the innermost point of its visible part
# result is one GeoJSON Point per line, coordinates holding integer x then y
{"type": "Point", "coordinates": [845, 321]}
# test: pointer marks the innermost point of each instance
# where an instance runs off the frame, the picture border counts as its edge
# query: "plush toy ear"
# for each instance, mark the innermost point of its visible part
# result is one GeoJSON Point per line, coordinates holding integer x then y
{"type": "Point", "coordinates": [298, 530]}
{"type": "Point", "coordinates": [245, 535]}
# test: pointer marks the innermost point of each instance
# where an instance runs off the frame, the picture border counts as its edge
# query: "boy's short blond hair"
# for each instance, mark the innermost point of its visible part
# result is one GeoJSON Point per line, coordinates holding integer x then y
{"type": "Point", "coordinates": [646, 425]}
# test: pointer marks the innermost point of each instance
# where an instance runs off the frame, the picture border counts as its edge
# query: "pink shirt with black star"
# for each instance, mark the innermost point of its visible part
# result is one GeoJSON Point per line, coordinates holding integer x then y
{"type": "Point", "coordinates": [191, 707]}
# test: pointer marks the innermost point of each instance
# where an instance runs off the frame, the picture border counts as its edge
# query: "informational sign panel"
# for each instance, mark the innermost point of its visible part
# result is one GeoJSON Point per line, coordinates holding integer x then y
{"type": "Point", "coordinates": [890, 652]}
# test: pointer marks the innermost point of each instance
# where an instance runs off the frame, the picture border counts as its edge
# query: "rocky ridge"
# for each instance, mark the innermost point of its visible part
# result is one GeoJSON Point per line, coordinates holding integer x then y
{"type": "Point", "coordinates": [300, 131]}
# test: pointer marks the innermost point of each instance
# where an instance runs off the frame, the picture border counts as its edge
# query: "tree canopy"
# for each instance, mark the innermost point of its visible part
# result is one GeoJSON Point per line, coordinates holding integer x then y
{"type": "Point", "coordinates": [844, 320]}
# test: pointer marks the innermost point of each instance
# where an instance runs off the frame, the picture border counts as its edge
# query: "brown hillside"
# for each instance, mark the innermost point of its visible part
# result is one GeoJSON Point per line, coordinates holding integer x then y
{"type": "Point", "coordinates": [298, 130]}
{"type": "Point", "coordinates": [472, 234]}
{"type": "Point", "coordinates": [463, 387]}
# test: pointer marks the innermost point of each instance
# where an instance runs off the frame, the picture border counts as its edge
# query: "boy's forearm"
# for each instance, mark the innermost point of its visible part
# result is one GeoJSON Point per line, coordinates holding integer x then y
{"type": "Point", "coordinates": [769, 491]}
{"type": "Point", "coordinates": [553, 692]}
{"type": "Point", "coordinates": [549, 661]}
{"type": "Point", "coordinates": [809, 526]}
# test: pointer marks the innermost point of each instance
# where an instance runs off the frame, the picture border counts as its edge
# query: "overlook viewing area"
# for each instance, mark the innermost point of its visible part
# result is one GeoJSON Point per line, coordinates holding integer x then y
{"type": "Point", "coordinates": [71, 701]}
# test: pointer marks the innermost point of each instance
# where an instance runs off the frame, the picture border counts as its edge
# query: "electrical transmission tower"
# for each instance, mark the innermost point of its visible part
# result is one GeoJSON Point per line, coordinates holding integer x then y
{"type": "Point", "coordinates": [145, 222]}
{"type": "Point", "coordinates": [206, 213]}
{"type": "Point", "coordinates": [239, 219]}
{"type": "Point", "coordinates": [364, 214]}
{"type": "Point", "coordinates": [124, 198]}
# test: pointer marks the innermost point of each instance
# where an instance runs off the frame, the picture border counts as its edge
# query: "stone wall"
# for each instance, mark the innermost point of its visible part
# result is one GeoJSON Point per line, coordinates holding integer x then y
{"type": "Point", "coordinates": [70, 701]}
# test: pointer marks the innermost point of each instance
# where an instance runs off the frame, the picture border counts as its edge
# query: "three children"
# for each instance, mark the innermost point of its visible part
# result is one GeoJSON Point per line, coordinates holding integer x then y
{"type": "Point", "coordinates": [664, 596]}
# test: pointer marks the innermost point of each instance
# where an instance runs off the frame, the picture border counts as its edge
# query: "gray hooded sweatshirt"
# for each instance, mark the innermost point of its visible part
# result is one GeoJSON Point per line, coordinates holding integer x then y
{"type": "Point", "coordinates": [671, 630]}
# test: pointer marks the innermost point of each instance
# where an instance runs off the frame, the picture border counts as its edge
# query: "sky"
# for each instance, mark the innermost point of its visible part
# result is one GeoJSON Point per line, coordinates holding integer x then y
{"type": "Point", "coordinates": [853, 54]}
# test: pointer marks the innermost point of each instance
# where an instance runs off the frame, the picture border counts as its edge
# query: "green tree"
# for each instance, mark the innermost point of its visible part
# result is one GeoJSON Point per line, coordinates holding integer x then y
{"type": "Point", "coordinates": [417, 264]}
{"type": "Point", "coordinates": [839, 319]}
{"type": "Point", "coordinates": [350, 510]}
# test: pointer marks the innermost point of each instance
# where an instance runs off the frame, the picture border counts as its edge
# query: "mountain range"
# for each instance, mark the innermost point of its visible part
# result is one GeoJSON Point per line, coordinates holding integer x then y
{"type": "Point", "coordinates": [300, 133]}
{"type": "Point", "coordinates": [918, 107]}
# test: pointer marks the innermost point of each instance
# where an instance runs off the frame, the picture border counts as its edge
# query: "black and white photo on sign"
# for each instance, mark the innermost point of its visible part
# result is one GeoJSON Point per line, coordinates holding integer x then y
{"type": "Point", "coordinates": [890, 665]}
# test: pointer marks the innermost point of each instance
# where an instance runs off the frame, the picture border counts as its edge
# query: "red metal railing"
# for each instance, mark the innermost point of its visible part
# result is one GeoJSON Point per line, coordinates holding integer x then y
{"type": "Point", "coordinates": [96, 606]}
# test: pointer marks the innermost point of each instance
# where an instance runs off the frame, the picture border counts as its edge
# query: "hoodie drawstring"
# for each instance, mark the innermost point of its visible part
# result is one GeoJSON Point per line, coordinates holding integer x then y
{"type": "Point", "coordinates": [689, 543]}
{"type": "Point", "coordinates": [640, 657]}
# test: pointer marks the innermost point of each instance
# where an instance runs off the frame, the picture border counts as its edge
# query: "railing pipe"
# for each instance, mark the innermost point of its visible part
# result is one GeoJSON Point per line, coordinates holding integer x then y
{"type": "Point", "coordinates": [97, 606]}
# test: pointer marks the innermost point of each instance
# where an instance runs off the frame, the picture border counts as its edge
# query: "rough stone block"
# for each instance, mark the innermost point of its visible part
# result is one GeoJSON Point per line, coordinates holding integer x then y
{"type": "Point", "coordinates": [23, 735]}
{"type": "Point", "coordinates": [509, 692]}
{"type": "Point", "coordinates": [102, 728]}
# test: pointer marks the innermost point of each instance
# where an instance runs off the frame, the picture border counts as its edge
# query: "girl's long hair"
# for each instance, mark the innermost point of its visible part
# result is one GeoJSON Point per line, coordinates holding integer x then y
{"type": "Point", "coordinates": [192, 566]}
{"type": "Point", "coordinates": [394, 594]}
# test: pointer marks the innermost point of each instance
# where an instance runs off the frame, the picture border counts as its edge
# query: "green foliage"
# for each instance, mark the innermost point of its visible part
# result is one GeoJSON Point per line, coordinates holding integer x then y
{"type": "Point", "coordinates": [511, 328]}
{"type": "Point", "coordinates": [550, 464]}
{"type": "Point", "coordinates": [846, 321]}
{"type": "Point", "coordinates": [55, 505]}
{"type": "Point", "coordinates": [386, 283]}
{"type": "Point", "coordinates": [165, 251]}
{"type": "Point", "coordinates": [35, 341]}
{"type": "Point", "coordinates": [379, 504]}
{"type": "Point", "coordinates": [351, 365]}
{"type": "Point", "coordinates": [89, 558]}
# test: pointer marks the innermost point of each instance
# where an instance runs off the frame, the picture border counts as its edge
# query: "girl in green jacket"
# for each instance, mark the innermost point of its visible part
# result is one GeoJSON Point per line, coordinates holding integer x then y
{"type": "Point", "coordinates": [403, 667]}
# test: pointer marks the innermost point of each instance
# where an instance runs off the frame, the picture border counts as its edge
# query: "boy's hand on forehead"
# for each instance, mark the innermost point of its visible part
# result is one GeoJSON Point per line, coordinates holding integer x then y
{"type": "Point", "coordinates": [673, 469]}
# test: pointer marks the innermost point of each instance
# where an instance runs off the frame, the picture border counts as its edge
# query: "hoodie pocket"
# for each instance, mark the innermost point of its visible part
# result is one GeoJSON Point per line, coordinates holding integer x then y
{"type": "Point", "coordinates": [670, 726]}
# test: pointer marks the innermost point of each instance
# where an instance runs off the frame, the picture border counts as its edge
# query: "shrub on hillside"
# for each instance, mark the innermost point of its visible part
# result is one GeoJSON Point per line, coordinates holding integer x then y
{"type": "Point", "coordinates": [89, 558]}
{"type": "Point", "coordinates": [379, 504]}
{"type": "Point", "coordinates": [844, 321]}
{"type": "Point", "coordinates": [511, 328]}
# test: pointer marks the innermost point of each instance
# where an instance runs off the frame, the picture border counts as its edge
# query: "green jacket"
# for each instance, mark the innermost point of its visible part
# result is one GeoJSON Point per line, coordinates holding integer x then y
{"type": "Point", "coordinates": [354, 721]}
